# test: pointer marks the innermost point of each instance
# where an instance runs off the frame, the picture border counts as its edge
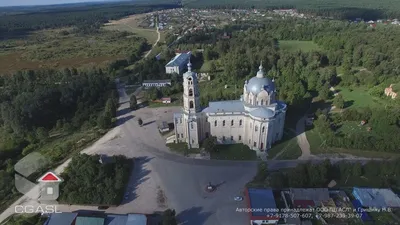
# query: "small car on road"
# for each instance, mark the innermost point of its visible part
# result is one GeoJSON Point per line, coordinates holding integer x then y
{"type": "Point", "coordinates": [238, 198]}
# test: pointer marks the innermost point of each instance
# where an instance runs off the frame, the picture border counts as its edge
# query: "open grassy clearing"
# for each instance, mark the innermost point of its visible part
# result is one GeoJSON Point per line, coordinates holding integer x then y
{"type": "Point", "coordinates": [233, 152]}
{"type": "Point", "coordinates": [317, 146]}
{"type": "Point", "coordinates": [62, 48]}
{"type": "Point", "coordinates": [293, 45]}
{"type": "Point", "coordinates": [359, 97]}
{"type": "Point", "coordinates": [287, 148]}
{"type": "Point", "coordinates": [135, 24]}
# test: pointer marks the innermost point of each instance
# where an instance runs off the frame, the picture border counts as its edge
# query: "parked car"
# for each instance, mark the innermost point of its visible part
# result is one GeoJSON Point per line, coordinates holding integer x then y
{"type": "Point", "coordinates": [238, 198]}
{"type": "Point", "coordinates": [102, 207]}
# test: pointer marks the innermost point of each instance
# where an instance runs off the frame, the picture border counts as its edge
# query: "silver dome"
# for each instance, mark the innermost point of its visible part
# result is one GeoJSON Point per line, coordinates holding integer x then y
{"type": "Point", "coordinates": [262, 112]}
{"type": "Point", "coordinates": [257, 84]}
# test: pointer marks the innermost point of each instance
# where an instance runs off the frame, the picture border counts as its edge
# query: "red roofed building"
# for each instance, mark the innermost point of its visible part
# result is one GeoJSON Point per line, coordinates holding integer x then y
{"type": "Point", "coordinates": [262, 203]}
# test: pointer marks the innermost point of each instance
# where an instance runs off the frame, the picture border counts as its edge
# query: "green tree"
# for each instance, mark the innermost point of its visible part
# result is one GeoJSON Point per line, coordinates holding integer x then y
{"type": "Point", "coordinates": [213, 67]}
{"type": "Point", "coordinates": [104, 121]}
{"type": "Point", "coordinates": [111, 107]}
{"type": "Point", "coordinates": [210, 144]}
{"type": "Point", "coordinates": [42, 134]}
{"type": "Point", "coordinates": [338, 101]}
{"type": "Point", "coordinates": [262, 173]}
{"type": "Point", "coordinates": [169, 217]}
{"type": "Point", "coordinates": [324, 91]}
{"type": "Point", "coordinates": [140, 122]}
{"type": "Point", "coordinates": [133, 102]}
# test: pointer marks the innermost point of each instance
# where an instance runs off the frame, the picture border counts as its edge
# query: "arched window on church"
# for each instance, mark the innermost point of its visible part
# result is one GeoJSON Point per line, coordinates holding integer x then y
{"type": "Point", "coordinates": [262, 101]}
{"type": "Point", "coordinates": [232, 123]}
{"type": "Point", "coordinates": [256, 128]}
{"type": "Point", "coordinates": [215, 123]}
{"type": "Point", "coordinates": [240, 122]}
{"type": "Point", "coordinates": [191, 126]}
{"type": "Point", "coordinates": [191, 104]}
{"type": "Point", "coordinates": [263, 129]}
{"type": "Point", "coordinates": [223, 123]}
{"type": "Point", "coordinates": [190, 92]}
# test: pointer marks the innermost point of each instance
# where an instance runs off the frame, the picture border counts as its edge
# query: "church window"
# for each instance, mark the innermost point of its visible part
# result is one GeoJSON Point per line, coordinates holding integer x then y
{"type": "Point", "coordinates": [176, 120]}
{"type": "Point", "coordinates": [257, 103]}
{"type": "Point", "coordinates": [215, 123]}
{"type": "Point", "coordinates": [276, 136]}
{"type": "Point", "coordinates": [232, 123]}
{"type": "Point", "coordinates": [181, 135]}
{"type": "Point", "coordinates": [240, 137]}
{"type": "Point", "coordinates": [262, 101]}
{"type": "Point", "coordinates": [191, 104]}
{"type": "Point", "coordinates": [223, 138]}
{"type": "Point", "coordinates": [263, 129]}
{"type": "Point", "coordinates": [256, 128]}
{"type": "Point", "coordinates": [249, 141]}
{"type": "Point", "coordinates": [231, 138]}
{"type": "Point", "coordinates": [223, 123]}
{"type": "Point", "coordinates": [255, 144]}
{"type": "Point", "coordinates": [207, 135]}
{"type": "Point", "coordinates": [191, 125]}
{"type": "Point", "coordinates": [190, 92]}
{"type": "Point", "coordinates": [180, 120]}
{"type": "Point", "coordinates": [240, 122]}
{"type": "Point", "coordinates": [192, 141]}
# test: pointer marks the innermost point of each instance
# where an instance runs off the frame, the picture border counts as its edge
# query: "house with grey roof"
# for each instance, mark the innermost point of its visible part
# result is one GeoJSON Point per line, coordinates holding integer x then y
{"type": "Point", "coordinates": [178, 63]}
{"type": "Point", "coordinates": [156, 83]}
{"type": "Point", "coordinates": [376, 197]}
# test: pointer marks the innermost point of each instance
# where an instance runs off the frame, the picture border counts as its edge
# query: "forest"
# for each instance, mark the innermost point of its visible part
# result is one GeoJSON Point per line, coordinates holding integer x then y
{"type": "Point", "coordinates": [87, 181]}
{"type": "Point", "coordinates": [339, 9]}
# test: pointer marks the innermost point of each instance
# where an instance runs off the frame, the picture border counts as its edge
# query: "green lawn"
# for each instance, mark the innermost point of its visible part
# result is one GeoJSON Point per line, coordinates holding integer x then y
{"type": "Point", "coordinates": [317, 146]}
{"type": "Point", "coordinates": [294, 45]}
{"type": "Point", "coordinates": [359, 97]}
{"type": "Point", "coordinates": [286, 149]}
{"type": "Point", "coordinates": [182, 148]}
{"type": "Point", "coordinates": [149, 34]}
{"type": "Point", "coordinates": [234, 152]}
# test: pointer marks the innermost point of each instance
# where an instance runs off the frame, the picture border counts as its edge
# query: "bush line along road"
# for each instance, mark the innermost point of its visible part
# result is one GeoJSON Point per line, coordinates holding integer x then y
{"type": "Point", "coordinates": [182, 179]}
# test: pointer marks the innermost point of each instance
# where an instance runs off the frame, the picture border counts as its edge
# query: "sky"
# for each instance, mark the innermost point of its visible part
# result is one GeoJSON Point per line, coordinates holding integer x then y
{"type": "Point", "coordinates": [40, 2]}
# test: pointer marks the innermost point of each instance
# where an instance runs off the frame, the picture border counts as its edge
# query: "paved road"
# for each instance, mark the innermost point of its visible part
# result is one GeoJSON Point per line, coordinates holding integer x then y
{"type": "Point", "coordinates": [302, 140]}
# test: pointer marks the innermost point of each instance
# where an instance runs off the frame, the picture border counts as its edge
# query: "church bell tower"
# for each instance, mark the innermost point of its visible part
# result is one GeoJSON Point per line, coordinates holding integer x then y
{"type": "Point", "coordinates": [191, 95]}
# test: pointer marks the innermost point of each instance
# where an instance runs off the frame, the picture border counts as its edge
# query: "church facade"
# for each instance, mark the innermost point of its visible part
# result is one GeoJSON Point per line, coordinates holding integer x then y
{"type": "Point", "coordinates": [256, 120]}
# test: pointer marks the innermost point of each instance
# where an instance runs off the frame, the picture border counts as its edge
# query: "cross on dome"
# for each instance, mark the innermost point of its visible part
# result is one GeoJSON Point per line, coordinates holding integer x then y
{"type": "Point", "coordinates": [260, 73]}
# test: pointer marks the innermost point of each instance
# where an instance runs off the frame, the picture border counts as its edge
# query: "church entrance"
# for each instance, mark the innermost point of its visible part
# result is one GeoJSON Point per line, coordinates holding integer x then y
{"type": "Point", "coordinates": [262, 145]}
{"type": "Point", "coordinates": [207, 135]}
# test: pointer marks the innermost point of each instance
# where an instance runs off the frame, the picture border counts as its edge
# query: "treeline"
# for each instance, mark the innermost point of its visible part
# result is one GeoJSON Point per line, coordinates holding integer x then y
{"type": "Point", "coordinates": [341, 9]}
{"type": "Point", "coordinates": [87, 18]}
{"type": "Point", "coordinates": [310, 175]}
{"type": "Point", "coordinates": [87, 181]}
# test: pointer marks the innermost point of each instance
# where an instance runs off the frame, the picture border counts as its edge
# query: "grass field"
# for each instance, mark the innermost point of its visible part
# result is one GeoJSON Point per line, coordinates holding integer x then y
{"type": "Point", "coordinates": [293, 45]}
{"type": "Point", "coordinates": [285, 149]}
{"type": "Point", "coordinates": [317, 146]}
{"type": "Point", "coordinates": [359, 97]}
{"type": "Point", "coordinates": [234, 152]}
{"type": "Point", "coordinates": [132, 24]}
{"type": "Point", "coordinates": [63, 48]}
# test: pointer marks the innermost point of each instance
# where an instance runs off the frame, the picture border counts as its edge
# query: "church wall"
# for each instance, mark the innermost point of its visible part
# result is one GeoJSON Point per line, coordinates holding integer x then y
{"type": "Point", "coordinates": [180, 129]}
{"type": "Point", "coordinates": [228, 130]}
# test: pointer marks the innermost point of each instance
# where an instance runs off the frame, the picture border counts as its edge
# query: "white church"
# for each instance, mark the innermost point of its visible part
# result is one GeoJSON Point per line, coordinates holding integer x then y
{"type": "Point", "coordinates": [256, 120]}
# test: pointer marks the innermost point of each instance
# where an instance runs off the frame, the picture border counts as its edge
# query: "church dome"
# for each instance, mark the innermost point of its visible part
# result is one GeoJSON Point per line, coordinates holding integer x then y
{"type": "Point", "coordinates": [190, 73]}
{"type": "Point", "coordinates": [259, 83]}
{"type": "Point", "coordinates": [262, 113]}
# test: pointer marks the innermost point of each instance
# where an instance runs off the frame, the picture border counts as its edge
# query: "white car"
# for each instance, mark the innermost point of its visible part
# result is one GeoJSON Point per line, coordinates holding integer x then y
{"type": "Point", "coordinates": [238, 198]}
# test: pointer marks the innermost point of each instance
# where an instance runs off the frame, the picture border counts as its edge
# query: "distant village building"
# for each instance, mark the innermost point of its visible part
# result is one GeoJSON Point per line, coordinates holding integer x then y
{"type": "Point", "coordinates": [390, 93]}
{"type": "Point", "coordinates": [374, 197]}
{"type": "Point", "coordinates": [178, 63]}
{"type": "Point", "coordinates": [156, 83]}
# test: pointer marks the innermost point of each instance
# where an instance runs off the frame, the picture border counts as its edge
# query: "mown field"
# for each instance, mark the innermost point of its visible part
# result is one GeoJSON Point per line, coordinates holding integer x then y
{"type": "Point", "coordinates": [63, 48]}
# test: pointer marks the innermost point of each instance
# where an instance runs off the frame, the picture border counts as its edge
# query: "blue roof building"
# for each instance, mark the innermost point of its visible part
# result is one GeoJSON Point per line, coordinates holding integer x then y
{"type": "Point", "coordinates": [61, 219]}
{"type": "Point", "coordinates": [178, 63]}
{"type": "Point", "coordinates": [262, 203]}
{"type": "Point", "coordinates": [375, 197]}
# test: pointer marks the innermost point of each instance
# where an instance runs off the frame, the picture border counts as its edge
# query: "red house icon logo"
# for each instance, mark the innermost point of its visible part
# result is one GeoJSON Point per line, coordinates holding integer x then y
{"type": "Point", "coordinates": [49, 186]}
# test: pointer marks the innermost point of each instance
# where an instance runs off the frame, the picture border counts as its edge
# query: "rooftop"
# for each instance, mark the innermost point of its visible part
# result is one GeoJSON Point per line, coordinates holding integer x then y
{"type": "Point", "coordinates": [136, 219]}
{"type": "Point", "coordinates": [81, 220]}
{"type": "Point", "coordinates": [375, 197]}
{"type": "Point", "coordinates": [225, 106]}
{"type": "Point", "coordinates": [260, 199]}
{"type": "Point", "coordinates": [61, 218]}
{"type": "Point", "coordinates": [179, 60]}
{"type": "Point", "coordinates": [314, 194]}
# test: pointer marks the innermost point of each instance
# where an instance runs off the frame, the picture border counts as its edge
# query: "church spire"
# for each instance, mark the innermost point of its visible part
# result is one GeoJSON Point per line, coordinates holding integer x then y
{"type": "Point", "coordinates": [189, 65]}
